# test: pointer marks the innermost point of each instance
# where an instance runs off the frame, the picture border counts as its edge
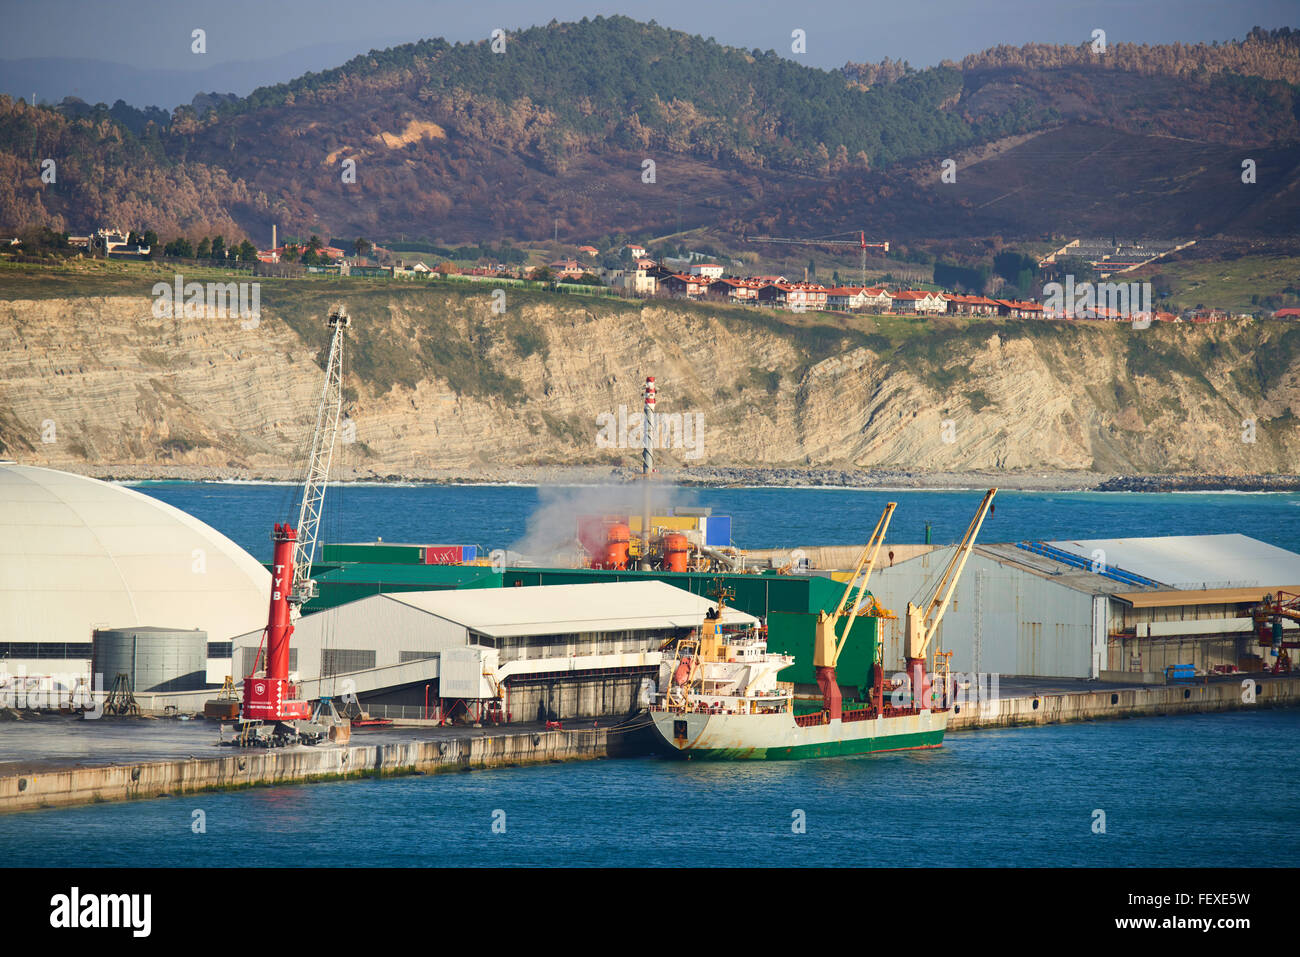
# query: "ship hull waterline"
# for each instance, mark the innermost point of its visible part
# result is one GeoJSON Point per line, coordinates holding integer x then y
{"type": "Point", "coordinates": [776, 737]}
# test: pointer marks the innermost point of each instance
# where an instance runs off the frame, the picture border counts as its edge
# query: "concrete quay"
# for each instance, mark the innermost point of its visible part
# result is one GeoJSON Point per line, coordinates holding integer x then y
{"type": "Point", "coordinates": [36, 784]}
{"type": "Point", "coordinates": [1024, 702]}
{"type": "Point", "coordinates": [57, 761]}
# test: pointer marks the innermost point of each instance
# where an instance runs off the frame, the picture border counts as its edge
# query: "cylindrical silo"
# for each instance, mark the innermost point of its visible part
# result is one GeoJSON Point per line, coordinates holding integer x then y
{"type": "Point", "coordinates": [156, 659]}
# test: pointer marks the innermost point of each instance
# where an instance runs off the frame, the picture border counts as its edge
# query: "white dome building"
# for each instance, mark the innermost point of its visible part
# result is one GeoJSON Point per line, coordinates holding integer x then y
{"type": "Point", "coordinates": [78, 554]}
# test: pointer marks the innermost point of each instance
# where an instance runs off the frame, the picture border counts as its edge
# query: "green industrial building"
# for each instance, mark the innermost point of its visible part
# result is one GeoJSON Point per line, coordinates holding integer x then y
{"type": "Point", "coordinates": [788, 603]}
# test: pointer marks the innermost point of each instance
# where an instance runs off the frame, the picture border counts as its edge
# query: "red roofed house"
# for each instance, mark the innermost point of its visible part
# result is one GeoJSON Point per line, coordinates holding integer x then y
{"type": "Point", "coordinates": [1019, 310]}
{"type": "Point", "coordinates": [919, 302]}
{"type": "Point", "coordinates": [798, 296]}
{"type": "Point", "coordinates": [848, 298]}
{"type": "Point", "coordinates": [1288, 313]}
{"type": "Point", "coordinates": [688, 287]}
{"type": "Point", "coordinates": [877, 298]}
{"type": "Point", "coordinates": [971, 306]}
{"type": "Point", "coordinates": [566, 269]}
{"type": "Point", "coordinates": [734, 290]}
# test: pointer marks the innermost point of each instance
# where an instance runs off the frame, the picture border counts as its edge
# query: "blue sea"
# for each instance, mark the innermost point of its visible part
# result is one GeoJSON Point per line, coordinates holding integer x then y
{"type": "Point", "coordinates": [1212, 790]}
{"type": "Point", "coordinates": [501, 516]}
{"type": "Point", "coordinates": [1197, 790]}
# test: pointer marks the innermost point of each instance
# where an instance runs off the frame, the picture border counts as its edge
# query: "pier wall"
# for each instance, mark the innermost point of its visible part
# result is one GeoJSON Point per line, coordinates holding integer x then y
{"type": "Point", "coordinates": [237, 769]}
{"type": "Point", "coordinates": [1013, 712]}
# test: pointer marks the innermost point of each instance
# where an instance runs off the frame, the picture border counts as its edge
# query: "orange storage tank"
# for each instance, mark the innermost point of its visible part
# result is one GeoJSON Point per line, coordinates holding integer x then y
{"type": "Point", "coordinates": [616, 547]}
{"type": "Point", "coordinates": [676, 552]}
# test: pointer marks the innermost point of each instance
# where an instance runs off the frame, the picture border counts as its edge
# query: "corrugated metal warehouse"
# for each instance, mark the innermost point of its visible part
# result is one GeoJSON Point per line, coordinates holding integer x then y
{"type": "Point", "coordinates": [1102, 608]}
{"type": "Point", "coordinates": [573, 650]}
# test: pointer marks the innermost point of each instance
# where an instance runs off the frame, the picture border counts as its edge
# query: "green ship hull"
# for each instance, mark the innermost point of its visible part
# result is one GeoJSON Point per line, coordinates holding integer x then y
{"type": "Point", "coordinates": [777, 737]}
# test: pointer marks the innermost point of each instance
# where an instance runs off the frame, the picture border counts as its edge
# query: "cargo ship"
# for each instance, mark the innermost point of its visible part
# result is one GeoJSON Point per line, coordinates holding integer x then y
{"type": "Point", "coordinates": [719, 694]}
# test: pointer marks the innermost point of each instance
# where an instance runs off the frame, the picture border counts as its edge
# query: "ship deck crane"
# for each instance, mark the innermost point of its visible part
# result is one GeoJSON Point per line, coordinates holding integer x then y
{"type": "Point", "coordinates": [826, 647]}
{"type": "Point", "coordinates": [921, 625]}
{"type": "Point", "coordinates": [860, 242]}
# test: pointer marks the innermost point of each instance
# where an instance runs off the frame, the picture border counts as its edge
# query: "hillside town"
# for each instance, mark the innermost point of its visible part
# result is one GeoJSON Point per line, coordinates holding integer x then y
{"type": "Point", "coordinates": [636, 275]}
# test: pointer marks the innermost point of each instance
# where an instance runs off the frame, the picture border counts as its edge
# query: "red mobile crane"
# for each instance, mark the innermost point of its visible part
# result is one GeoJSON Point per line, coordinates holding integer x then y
{"type": "Point", "coordinates": [270, 715]}
{"type": "Point", "coordinates": [268, 697]}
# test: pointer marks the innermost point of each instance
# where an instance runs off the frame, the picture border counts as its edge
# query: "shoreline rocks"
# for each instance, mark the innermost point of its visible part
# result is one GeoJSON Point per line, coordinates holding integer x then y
{"type": "Point", "coordinates": [717, 476]}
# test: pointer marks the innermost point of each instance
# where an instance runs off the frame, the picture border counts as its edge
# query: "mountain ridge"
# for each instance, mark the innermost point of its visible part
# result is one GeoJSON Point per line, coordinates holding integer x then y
{"type": "Point", "coordinates": [728, 130]}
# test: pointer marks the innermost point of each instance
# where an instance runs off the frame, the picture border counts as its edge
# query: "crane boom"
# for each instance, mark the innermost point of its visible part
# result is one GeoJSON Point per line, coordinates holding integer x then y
{"type": "Point", "coordinates": [322, 454]}
{"type": "Point", "coordinates": [921, 626]}
{"type": "Point", "coordinates": [826, 650]}
{"type": "Point", "coordinates": [860, 242]}
{"type": "Point", "coordinates": [868, 559]}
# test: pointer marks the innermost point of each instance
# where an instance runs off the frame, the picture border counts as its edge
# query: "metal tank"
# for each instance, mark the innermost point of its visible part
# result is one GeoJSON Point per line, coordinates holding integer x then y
{"type": "Point", "coordinates": [156, 659]}
{"type": "Point", "coordinates": [616, 547]}
{"type": "Point", "coordinates": [676, 552]}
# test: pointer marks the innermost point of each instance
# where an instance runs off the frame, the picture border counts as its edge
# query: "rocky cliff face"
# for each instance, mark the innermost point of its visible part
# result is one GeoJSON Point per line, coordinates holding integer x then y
{"type": "Point", "coordinates": [437, 380]}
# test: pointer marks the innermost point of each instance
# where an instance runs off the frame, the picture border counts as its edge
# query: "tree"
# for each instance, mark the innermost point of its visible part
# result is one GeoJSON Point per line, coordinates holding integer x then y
{"type": "Point", "coordinates": [205, 249]}
{"type": "Point", "coordinates": [247, 252]}
{"type": "Point", "coordinates": [360, 245]}
{"type": "Point", "coordinates": [1075, 266]}
{"type": "Point", "coordinates": [219, 248]}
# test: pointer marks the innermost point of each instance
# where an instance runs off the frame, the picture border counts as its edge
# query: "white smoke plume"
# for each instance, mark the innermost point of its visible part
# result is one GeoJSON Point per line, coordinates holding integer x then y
{"type": "Point", "coordinates": [551, 538]}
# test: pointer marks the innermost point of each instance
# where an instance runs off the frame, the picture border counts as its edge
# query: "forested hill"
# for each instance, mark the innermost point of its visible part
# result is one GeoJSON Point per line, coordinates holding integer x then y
{"type": "Point", "coordinates": [617, 82]}
{"type": "Point", "coordinates": [458, 142]}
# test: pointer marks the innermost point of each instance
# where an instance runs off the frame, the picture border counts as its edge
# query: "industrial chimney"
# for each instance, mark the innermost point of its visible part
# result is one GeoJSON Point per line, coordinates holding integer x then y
{"type": "Point", "coordinates": [647, 467]}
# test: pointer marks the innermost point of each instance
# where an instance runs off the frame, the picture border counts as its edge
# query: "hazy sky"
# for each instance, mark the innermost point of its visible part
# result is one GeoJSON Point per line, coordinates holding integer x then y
{"type": "Point", "coordinates": [280, 39]}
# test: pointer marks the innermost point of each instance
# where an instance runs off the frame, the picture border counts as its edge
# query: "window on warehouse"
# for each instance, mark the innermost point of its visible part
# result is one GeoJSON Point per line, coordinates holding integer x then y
{"type": "Point", "coordinates": [338, 661]}
{"type": "Point", "coordinates": [248, 657]}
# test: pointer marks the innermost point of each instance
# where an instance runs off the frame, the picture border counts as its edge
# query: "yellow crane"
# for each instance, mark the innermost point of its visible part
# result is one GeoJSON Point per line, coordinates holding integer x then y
{"type": "Point", "coordinates": [922, 625]}
{"type": "Point", "coordinates": [826, 648]}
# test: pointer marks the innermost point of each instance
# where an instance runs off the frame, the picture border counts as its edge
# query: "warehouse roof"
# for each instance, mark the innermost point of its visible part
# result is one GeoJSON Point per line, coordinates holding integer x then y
{"type": "Point", "coordinates": [563, 609]}
{"type": "Point", "coordinates": [1080, 579]}
{"type": "Point", "coordinates": [1208, 596]}
{"type": "Point", "coordinates": [1195, 561]}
